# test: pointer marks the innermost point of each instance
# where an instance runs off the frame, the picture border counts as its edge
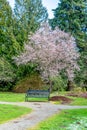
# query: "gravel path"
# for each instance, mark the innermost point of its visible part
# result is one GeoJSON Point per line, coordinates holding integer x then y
{"type": "Point", "coordinates": [41, 110]}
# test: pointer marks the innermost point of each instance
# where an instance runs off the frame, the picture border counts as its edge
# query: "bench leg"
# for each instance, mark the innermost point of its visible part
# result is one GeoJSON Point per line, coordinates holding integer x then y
{"type": "Point", "coordinates": [26, 99]}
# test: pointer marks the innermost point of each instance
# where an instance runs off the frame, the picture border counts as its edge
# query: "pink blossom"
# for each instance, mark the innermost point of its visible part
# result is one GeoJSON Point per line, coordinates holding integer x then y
{"type": "Point", "coordinates": [53, 50]}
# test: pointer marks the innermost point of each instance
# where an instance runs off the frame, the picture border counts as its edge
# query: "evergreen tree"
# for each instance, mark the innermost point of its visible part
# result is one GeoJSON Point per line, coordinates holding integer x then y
{"type": "Point", "coordinates": [29, 14]}
{"type": "Point", "coordinates": [70, 16]}
{"type": "Point", "coordinates": [8, 44]}
{"type": "Point", "coordinates": [6, 70]}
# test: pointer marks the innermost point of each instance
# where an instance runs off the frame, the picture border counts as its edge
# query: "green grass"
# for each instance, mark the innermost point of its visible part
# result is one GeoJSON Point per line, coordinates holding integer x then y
{"type": "Point", "coordinates": [38, 99]}
{"type": "Point", "coordinates": [12, 97]}
{"type": "Point", "coordinates": [78, 101]}
{"type": "Point", "coordinates": [65, 120]}
{"type": "Point", "coordinates": [8, 112]}
{"type": "Point", "coordinates": [17, 97]}
{"type": "Point", "coordinates": [56, 93]}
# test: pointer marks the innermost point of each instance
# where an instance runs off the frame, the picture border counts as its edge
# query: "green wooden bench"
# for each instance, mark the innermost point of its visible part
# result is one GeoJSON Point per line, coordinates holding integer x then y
{"type": "Point", "coordinates": [37, 94]}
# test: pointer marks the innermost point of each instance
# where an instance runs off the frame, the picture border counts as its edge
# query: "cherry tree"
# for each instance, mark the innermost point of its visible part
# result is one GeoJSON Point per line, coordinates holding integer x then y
{"type": "Point", "coordinates": [52, 51]}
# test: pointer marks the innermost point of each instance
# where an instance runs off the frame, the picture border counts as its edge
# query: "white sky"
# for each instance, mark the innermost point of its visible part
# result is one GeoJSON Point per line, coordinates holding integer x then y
{"type": "Point", "coordinates": [49, 4]}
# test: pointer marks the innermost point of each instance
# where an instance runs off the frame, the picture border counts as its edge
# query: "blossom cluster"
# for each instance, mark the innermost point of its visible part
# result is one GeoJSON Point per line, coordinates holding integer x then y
{"type": "Point", "coordinates": [52, 50]}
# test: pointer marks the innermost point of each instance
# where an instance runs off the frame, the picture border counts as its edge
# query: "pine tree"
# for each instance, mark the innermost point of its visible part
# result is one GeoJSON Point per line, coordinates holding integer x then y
{"type": "Point", "coordinates": [8, 43]}
{"type": "Point", "coordinates": [6, 70]}
{"type": "Point", "coordinates": [29, 14]}
{"type": "Point", "coordinates": [70, 16]}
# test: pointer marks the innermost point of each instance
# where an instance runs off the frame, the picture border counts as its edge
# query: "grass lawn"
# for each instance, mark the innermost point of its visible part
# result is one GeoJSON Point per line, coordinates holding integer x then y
{"type": "Point", "coordinates": [78, 101]}
{"type": "Point", "coordinates": [75, 119]}
{"type": "Point", "coordinates": [8, 112]}
{"type": "Point", "coordinates": [17, 97]}
{"type": "Point", "coordinates": [38, 99]}
{"type": "Point", "coordinates": [12, 97]}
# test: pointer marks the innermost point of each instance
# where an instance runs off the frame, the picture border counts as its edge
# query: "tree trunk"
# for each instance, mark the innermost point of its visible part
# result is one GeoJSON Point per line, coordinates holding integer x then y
{"type": "Point", "coordinates": [51, 85]}
{"type": "Point", "coordinates": [70, 85]}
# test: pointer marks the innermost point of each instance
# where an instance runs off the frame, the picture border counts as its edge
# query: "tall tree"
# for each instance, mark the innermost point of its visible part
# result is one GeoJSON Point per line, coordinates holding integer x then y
{"type": "Point", "coordinates": [29, 14]}
{"type": "Point", "coordinates": [6, 70]}
{"type": "Point", "coordinates": [8, 43]}
{"type": "Point", "coordinates": [70, 16]}
{"type": "Point", "coordinates": [52, 51]}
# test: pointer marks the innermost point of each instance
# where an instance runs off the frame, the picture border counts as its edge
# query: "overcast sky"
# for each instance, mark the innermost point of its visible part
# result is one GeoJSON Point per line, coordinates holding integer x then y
{"type": "Point", "coordinates": [49, 4]}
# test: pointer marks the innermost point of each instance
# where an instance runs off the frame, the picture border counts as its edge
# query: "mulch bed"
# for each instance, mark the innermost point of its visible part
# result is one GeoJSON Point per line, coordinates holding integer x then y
{"type": "Point", "coordinates": [64, 100]}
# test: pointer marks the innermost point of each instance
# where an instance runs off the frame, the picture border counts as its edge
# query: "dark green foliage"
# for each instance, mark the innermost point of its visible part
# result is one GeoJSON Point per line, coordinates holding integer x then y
{"type": "Point", "coordinates": [24, 70]}
{"type": "Point", "coordinates": [7, 75]}
{"type": "Point", "coordinates": [59, 84]}
{"type": "Point", "coordinates": [6, 70]}
{"type": "Point", "coordinates": [71, 16]}
{"type": "Point", "coordinates": [81, 76]}
{"type": "Point", "coordinates": [28, 14]}
{"type": "Point", "coordinates": [8, 44]}
{"type": "Point", "coordinates": [14, 29]}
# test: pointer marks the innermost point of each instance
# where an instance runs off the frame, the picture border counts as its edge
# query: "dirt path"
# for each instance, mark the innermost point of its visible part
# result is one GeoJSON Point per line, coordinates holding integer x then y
{"type": "Point", "coordinates": [40, 112]}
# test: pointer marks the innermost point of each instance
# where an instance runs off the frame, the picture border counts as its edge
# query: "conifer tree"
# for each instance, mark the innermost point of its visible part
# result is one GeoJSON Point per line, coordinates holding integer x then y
{"type": "Point", "coordinates": [8, 44]}
{"type": "Point", "coordinates": [70, 16]}
{"type": "Point", "coordinates": [29, 14]}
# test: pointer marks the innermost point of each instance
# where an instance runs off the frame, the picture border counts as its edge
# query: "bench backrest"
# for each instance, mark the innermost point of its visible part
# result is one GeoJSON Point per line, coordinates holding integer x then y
{"type": "Point", "coordinates": [38, 93]}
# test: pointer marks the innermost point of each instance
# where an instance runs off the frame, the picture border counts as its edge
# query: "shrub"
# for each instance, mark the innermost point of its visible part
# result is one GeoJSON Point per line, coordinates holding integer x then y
{"type": "Point", "coordinates": [29, 82]}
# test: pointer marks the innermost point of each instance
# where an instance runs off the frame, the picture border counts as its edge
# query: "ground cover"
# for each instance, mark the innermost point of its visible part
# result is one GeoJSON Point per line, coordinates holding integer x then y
{"type": "Point", "coordinates": [8, 112]}
{"type": "Point", "coordinates": [17, 97]}
{"type": "Point", "coordinates": [12, 97]}
{"type": "Point", "coordinates": [38, 99]}
{"type": "Point", "coordinates": [78, 101]}
{"type": "Point", "coordinates": [75, 119]}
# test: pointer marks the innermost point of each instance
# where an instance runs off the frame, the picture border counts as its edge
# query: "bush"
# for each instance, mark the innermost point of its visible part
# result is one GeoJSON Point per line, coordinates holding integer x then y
{"type": "Point", "coordinates": [59, 83]}
{"type": "Point", "coordinates": [29, 82]}
{"type": "Point", "coordinates": [6, 86]}
{"type": "Point", "coordinates": [79, 90]}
